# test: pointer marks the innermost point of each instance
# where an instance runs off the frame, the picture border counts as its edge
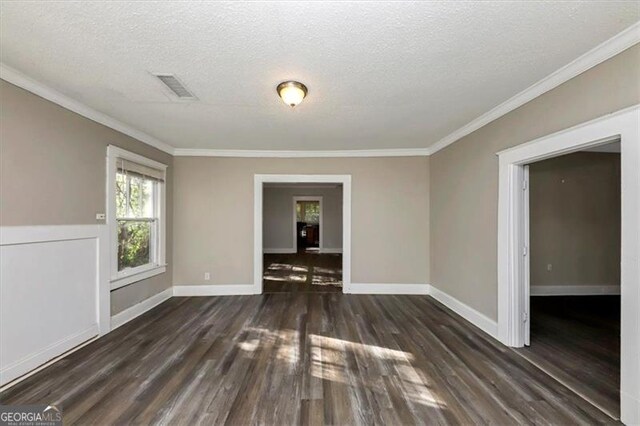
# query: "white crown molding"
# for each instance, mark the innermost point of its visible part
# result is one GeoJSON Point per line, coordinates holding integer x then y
{"type": "Point", "coordinates": [402, 152]}
{"type": "Point", "coordinates": [19, 79]}
{"type": "Point", "coordinates": [595, 56]}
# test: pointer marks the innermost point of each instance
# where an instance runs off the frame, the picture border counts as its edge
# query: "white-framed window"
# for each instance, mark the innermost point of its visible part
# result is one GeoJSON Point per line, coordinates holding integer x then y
{"type": "Point", "coordinates": [135, 216]}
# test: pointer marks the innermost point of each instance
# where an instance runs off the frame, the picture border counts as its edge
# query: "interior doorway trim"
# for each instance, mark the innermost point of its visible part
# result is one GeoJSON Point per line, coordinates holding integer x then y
{"type": "Point", "coordinates": [258, 183]}
{"type": "Point", "coordinates": [623, 125]}
{"type": "Point", "coordinates": [317, 198]}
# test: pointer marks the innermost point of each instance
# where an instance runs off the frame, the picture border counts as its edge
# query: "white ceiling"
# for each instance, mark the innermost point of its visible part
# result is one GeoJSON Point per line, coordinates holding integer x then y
{"type": "Point", "coordinates": [380, 75]}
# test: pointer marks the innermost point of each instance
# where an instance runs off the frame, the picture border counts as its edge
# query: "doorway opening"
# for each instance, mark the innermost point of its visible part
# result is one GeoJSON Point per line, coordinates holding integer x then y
{"type": "Point", "coordinates": [514, 310]}
{"type": "Point", "coordinates": [572, 228]}
{"type": "Point", "coordinates": [307, 216]}
{"type": "Point", "coordinates": [302, 233]}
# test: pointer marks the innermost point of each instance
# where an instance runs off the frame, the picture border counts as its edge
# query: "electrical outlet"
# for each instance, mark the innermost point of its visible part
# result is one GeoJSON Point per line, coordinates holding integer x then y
{"type": "Point", "coordinates": [207, 276]}
{"type": "Point", "coordinates": [549, 266]}
{"type": "Point", "coordinates": [101, 216]}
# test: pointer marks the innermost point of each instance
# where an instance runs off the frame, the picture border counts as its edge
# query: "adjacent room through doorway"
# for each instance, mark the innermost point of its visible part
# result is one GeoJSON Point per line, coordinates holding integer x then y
{"type": "Point", "coordinates": [308, 217]}
{"type": "Point", "coordinates": [574, 270]}
{"type": "Point", "coordinates": [302, 237]}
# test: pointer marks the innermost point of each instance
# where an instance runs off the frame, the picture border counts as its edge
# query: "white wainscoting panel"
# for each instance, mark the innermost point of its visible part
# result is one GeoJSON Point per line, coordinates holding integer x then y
{"type": "Point", "coordinates": [52, 287]}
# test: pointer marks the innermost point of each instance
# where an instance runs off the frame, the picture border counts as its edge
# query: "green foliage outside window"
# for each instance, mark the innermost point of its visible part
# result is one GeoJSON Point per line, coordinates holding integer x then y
{"type": "Point", "coordinates": [308, 211]}
{"type": "Point", "coordinates": [133, 244]}
{"type": "Point", "coordinates": [134, 211]}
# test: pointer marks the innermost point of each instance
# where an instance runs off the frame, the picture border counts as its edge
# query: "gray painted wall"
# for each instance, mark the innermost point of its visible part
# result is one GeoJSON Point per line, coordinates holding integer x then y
{"type": "Point", "coordinates": [213, 216]}
{"type": "Point", "coordinates": [464, 176]}
{"type": "Point", "coordinates": [575, 220]}
{"type": "Point", "coordinates": [278, 216]}
{"type": "Point", "coordinates": [53, 172]}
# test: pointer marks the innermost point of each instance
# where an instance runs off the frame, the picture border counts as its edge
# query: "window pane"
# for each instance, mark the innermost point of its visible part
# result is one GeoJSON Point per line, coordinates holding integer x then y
{"type": "Point", "coordinates": [147, 198]}
{"type": "Point", "coordinates": [134, 197]}
{"type": "Point", "coordinates": [134, 243]}
{"type": "Point", "coordinates": [312, 212]}
{"type": "Point", "coordinates": [121, 195]}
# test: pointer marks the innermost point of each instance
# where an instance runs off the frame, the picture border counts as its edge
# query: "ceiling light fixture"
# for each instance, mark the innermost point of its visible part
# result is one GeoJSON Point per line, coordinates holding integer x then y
{"type": "Point", "coordinates": [292, 92]}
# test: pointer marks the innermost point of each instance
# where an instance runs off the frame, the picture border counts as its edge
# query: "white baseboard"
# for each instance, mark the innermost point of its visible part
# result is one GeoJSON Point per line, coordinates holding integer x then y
{"type": "Point", "coordinates": [476, 318]}
{"type": "Point", "coordinates": [128, 314]}
{"type": "Point", "coordinates": [214, 290]}
{"type": "Point", "coordinates": [294, 251]}
{"type": "Point", "coordinates": [574, 290]}
{"type": "Point", "coordinates": [279, 250]}
{"type": "Point", "coordinates": [331, 250]}
{"type": "Point", "coordinates": [374, 288]}
{"type": "Point", "coordinates": [46, 356]}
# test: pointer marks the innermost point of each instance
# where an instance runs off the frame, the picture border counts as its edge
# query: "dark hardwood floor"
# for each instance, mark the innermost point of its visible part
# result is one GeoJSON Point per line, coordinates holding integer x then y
{"type": "Point", "coordinates": [302, 272]}
{"type": "Point", "coordinates": [302, 358]}
{"type": "Point", "coordinates": [576, 339]}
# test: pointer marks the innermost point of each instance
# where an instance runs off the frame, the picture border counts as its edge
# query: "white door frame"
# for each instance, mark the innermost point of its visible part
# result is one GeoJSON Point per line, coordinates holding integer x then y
{"type": "Point", "coordinates": [258, 183]}
{"type": "Point", "coordinates": [625, 126]}
{"type": "Point", "coordinates": [317, 198]}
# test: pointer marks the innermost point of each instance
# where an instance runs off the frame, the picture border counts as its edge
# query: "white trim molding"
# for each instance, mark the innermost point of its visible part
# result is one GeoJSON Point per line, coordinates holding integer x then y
{"type": "Point", "coordinates": [388, 288]}
{"type": "Point", "coordinates": [513, 318]}
{"type": "Point", "coordinates": [138, 276]}
{"type": "Point", "coordinates": [325, 250]}
{"type": "Point", "coordinates": [138, 309]}
{"type": "Point", "coordinates": [159, 247]}
{"type": "Point", "coordinates": [258, 184]}
{"type": "Point", "coordinates": [476, 318]}
{"type": "Point", "coordinates": [10, 235]}
{"type": "Point", "coordinates": [15, 373]}
{"type": "Point", "coordinates": [290, 250]}
{"type": "Point", "coordinates": [471, 315]}
{"type": "Point", "coordinates": [214, 290]}
{"type": "Point", "coordinates": [19, 79]}
{"type": "Point", "coordinates": [58, 278]}
{"type": "Point", "coordinates": [574, 290]}
{"type": "Point", "coordinates": [595, 56]}
{"type": "Point", "coordinates": [390, 152]}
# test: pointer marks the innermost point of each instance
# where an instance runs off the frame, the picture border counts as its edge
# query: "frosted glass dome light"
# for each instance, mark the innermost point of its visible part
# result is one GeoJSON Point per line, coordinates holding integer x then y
{"type": "Point", "coordinates": [292, 92]}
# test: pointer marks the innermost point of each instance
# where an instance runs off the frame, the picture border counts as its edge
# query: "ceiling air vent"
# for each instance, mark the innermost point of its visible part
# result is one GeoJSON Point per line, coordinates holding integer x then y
{"type": "Point", "coordinates": [175, 86]}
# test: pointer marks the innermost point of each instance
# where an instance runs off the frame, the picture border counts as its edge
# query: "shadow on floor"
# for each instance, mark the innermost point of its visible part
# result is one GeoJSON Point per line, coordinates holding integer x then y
{"type": "Point", "coordinates": [302, 272]}
{"type": "Point", "coordinates": [576, 339]}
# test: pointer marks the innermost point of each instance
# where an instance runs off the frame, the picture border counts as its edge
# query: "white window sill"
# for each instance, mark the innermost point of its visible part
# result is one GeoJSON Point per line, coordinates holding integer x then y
{"type": "Point", "coordinates": [136, 276]}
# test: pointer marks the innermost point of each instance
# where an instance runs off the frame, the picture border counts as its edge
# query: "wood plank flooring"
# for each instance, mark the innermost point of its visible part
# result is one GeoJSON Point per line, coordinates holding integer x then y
{"type": "Point", "coordinates": [302, 272]}
{"type": "Point", "coordinates": [302, 358]}
{"type": "Point", "coordinates": [577, 340]}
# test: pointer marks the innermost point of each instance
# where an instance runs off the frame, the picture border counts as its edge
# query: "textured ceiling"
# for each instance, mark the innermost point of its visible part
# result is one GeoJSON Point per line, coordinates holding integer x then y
{"type": "Point", "coordinates": [380, 75]}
